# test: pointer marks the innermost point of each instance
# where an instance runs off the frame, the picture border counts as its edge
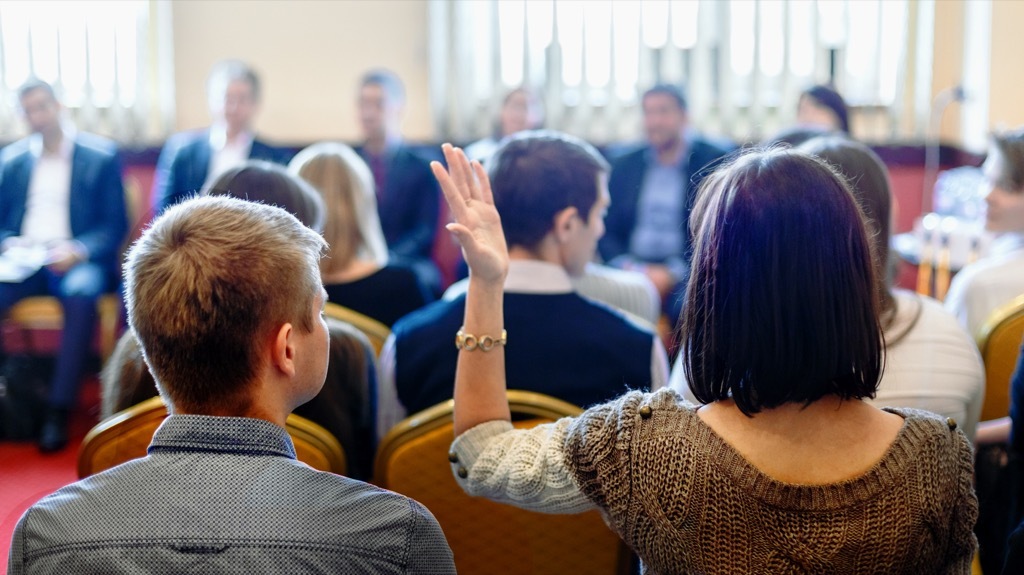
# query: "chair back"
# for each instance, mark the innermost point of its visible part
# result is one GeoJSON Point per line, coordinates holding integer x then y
{"type": "Point", "coordinates": [126, 435]}
{"type": "Point", "coordinates": [46, 313]}
{"type": "Point", "coordinates": [999, 342]}
{"type": "Point", "coordinates": [374, 330]}
{"type": "Point", "coordinates": [487, 537]}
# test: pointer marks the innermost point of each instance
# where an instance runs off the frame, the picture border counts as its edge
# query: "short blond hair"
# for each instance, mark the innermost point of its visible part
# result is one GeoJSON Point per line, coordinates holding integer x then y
{"type": "Point", "coordinates": [208, 282]}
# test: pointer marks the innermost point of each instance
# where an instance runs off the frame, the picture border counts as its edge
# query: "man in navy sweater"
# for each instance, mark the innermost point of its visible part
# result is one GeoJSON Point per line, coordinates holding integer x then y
{"type": "Point", "coordinates": [551, 192]}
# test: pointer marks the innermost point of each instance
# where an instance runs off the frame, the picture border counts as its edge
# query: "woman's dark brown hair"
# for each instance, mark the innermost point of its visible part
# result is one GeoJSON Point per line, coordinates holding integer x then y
{"type": "Point", "coordinates": [1009, 146]}
{"type": "Point", "coordinates": [781, 304]}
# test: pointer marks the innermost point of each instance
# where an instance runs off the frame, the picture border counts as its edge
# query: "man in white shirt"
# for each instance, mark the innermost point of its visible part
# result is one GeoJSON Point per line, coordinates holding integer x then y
{"type": "Point", "coordinates": [62, 205]}
{"type": "Point", "coordinates": [192, 160]}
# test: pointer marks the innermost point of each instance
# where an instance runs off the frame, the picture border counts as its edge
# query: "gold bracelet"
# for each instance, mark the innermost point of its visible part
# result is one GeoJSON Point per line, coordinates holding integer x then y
{"type": "Point", "coordinates": [470, 342]}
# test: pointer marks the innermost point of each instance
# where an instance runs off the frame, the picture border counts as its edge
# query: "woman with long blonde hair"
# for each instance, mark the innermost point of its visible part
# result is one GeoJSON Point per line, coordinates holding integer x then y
{"type": "Point", "coordinates": [356, 272]}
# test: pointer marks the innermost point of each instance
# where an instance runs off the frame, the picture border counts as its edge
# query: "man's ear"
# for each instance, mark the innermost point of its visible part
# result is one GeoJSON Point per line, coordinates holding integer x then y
{"type": "Point", "coordinates": [282, 355]}
{"type": "Point", "coordinates": [565, 222]}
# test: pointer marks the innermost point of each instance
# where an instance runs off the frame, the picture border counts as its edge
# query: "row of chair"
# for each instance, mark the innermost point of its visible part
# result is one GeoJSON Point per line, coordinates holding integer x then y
{"type": "Point", "coordinates": [412, 459]}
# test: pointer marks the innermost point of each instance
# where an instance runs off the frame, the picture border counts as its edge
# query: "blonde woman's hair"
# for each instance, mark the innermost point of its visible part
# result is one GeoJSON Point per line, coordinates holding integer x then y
{"type": "Point", "coordinates": [352, 226]}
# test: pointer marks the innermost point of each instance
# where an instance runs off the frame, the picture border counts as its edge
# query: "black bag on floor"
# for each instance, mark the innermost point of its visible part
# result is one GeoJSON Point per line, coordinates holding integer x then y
{"type": "Point", "coordinates": [24, 379]}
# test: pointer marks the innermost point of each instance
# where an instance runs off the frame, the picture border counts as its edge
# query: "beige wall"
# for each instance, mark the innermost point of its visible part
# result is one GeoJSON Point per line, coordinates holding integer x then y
{"type": "Point", "coordinates": [310, 55]}
{"type": "Point", "coordinates": [1006, 91]}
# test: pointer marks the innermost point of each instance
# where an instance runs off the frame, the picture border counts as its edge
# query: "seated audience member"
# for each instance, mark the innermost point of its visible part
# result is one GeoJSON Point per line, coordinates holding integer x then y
{"type": "Point", "coordinates": [823, 107]}
{"type": "Point", "coordinates": [344, 405]}
{"type": "Point", "coordinates": [785, 469]}
{"type": "Point", "coordinates": [930, 361]}
{"type": "Point", "coordinates": [61, 203]}
{"type": "Point", "coordinates": [226, 300]}
{"type": "Point", "coordinates": [520, 110]}
{"type": "Point", "coordinates": [191, 160]}
{"type": "Point", "coordinates": [652, 192]}
{"type": "Point", "coordinates": [271, 184]}
{"type": "Point", "coordinates": [356, 273]}
{"type": "Point", "coordinates": [986, 285]}
{"type": "Point", "coordinates": [407, 198]}
{"type": "Point", "coordinates": [551, 190]}
{"type": "Point", "coordinates": [1011, 430]}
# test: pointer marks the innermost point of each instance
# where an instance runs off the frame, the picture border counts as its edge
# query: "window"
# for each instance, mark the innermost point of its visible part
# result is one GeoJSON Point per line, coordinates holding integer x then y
{"type": "Point", "coordinates": [743, 62]}
{"type": "Point", "coordinates": [93, 53]}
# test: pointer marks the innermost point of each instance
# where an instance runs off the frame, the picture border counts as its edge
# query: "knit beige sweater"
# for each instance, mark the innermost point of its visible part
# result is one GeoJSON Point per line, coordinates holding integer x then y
{"type": "Point", "coordinates": [687, 502]}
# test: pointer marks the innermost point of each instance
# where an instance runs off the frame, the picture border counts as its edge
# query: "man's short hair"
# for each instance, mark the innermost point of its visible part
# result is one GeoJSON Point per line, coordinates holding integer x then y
{"type": "Point", "coordinates": [388, 81]}
{"type": "Point", "coordinates": [227, 71]}
{"type": "Point", "coordinates": [536, 174]}
{"type": "Point", "coordinates": [670, 90]}
{"type": "Point", "coordinates": [208, 283]}
{"type": "Point", "coordinates": [33, 84]}
{"type": "Point", "coordinates": [270, 183]}
{"type": "Point", "coordinates": [1009, 145]}
{"type": "Point", "coordinates": [782, 302]}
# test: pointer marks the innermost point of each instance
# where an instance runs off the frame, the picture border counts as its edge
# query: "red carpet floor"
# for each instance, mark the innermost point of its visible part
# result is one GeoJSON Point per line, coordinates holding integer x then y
{"type": "Point", "coordinates": [27, 475]}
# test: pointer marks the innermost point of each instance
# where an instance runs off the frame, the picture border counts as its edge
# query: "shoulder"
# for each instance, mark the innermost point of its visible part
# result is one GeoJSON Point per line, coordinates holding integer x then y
{"type": "Point", "coordinates": [610, 317]}
{"type": "Point", "coordinates": [928, 434]}
{"type": "Point", "coordinates": [15, 152]}
{"type": "Point", "coordinates": [435, 316]}
{"type": "Point", "coordinates": [631, 158]}
{"type": "Point", "coordinates": [94, 146]}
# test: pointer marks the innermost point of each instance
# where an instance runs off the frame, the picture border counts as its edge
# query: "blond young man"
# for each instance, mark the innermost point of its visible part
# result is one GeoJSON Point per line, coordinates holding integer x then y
{"type": "Point", "coordinates": [226, 300]}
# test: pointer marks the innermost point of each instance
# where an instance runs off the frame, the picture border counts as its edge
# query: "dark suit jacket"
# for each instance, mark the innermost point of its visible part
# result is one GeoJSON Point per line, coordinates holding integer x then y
{"type": "Point", "coordinates": [626, 181]}
{"type": "Point", "coordinates": [409, 204]}
{"type": "Point", "coordinates": [185, 161]}
{"type": "Point", "coordinates": [97, 204]}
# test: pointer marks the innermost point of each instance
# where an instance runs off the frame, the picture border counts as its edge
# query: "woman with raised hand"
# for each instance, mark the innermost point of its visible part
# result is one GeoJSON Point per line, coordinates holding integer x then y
{"type": "Point", "coordinates": [785, 469]}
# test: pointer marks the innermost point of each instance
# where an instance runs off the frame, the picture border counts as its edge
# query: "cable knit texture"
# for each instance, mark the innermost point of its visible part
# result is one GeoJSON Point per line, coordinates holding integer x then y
{"type": "Point", "coordinates": [687, 502]}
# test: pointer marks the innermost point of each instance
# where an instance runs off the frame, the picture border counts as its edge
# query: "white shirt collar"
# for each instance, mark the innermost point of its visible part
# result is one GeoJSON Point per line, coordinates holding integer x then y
{"type": "Point", "coordinates": [537, 277]}
{"type": "Point", "coordinates": [67, 143]}
{"type": "Point", "coordinates": [219, 138]}
{"type": "Point", "coordinates": [1006, 243]}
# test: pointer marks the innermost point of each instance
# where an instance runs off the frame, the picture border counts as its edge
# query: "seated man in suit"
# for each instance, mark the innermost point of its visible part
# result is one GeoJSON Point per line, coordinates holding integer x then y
{"type": "Point", "coordinates": [550, 190]}
{"type": "Point", "coordinates": [653, 190]}
{"type": "Point", "coordinates": [225, 298]}
{"type": "Point", "coordinates": [61, 198]}
{"type": "Point", "coordinates": [408, 199]}
{"type": "Point", "coordinates": [191, 160]}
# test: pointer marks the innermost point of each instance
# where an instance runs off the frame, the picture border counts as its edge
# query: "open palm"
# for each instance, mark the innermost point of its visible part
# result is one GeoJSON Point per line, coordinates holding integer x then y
{"type": "Point", "coordinates": [477, 226]}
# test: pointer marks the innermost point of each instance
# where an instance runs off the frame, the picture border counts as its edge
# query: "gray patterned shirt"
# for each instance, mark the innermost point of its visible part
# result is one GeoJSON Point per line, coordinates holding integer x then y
{"type": "Point", "coordinates": [225, 495]}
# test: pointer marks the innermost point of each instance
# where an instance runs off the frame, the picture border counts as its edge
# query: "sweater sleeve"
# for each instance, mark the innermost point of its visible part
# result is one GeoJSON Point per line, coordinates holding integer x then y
{"type": "Point", "coordinates": [597, 452]}
{"type": "Point", "coordinates": [521, 467]}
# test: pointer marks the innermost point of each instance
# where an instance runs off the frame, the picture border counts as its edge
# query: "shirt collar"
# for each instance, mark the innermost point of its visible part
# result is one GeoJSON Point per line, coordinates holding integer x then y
{"type": "Point", "coordinates": [537, 277]}
{"type": "Point", "coordinates": [681, 160]}
{"type": "Point", "coordinates": [219, 137]}
{"type": "Point", "coordinates": [67, 143]}
{"type": "Point", "coordinates": [239, 435]}
{"type": "Point", "coordinates": [1006, 243]}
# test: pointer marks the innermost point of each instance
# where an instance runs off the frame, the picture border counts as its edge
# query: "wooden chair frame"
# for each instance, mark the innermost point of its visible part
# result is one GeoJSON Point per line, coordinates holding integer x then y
{"type": "Point", "coordinates": [313, 444]}
{"type": "Point", "coordinates": [993, 345]}
{"type": "Point", "coordinates": [374, 330]}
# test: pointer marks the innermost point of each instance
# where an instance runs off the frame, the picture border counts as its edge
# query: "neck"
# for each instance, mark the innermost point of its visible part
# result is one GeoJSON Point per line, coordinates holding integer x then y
{"type": "Point", "coordinates": [232, 133]}
{"type": "Point", "coordinates": [52, 139]}
{"type": "Point", "coordinates": [376, 145]}
{"type": "Point", "coordinates": [670, 154]}
{"type": "Point", "coordinates": [543, 252]}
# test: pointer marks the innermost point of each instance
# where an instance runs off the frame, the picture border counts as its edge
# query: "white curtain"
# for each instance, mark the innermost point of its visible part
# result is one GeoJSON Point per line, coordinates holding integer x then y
{"type": "Point", "coordinates": [102, 57]}
{"type": "Point", "coordinates": [743, 63]}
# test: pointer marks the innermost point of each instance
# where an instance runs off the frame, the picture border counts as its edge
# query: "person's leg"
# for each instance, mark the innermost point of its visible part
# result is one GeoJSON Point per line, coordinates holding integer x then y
{"type": "Point", "coordinates": [78, 291]}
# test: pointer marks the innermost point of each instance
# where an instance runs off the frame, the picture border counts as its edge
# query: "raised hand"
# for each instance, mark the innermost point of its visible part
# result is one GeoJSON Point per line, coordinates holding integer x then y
{"type": "Point", "coordinates": [477, 226]}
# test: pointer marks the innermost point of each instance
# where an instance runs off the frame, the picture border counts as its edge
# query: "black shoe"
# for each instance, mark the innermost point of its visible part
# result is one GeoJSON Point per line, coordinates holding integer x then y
{"type": "Point", "coordinates": [54, 435]}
